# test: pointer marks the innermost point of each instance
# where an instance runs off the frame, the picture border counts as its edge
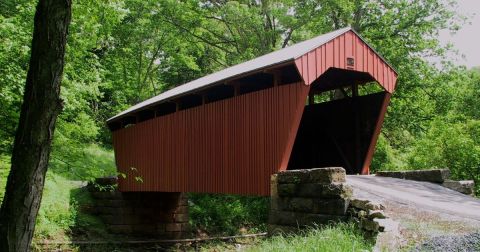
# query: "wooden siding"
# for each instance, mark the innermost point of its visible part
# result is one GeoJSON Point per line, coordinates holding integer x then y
{"type": "Point", "coordinates": [335, 54]}
{"type": "Point", "coordinates": [228, 146]}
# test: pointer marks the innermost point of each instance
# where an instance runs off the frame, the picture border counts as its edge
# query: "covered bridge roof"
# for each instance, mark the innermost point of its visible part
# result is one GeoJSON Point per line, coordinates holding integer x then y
{"type": "Point", "coordinates": [288, 54]}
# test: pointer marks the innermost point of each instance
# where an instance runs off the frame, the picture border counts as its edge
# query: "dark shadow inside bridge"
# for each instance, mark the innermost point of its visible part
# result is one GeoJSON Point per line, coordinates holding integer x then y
{"type": "Point", "coordinates": [339, 122]}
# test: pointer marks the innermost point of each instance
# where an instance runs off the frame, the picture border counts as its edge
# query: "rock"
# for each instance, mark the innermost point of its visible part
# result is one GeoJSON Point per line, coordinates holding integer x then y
{"type": "Point", "coordinates": [360, 203]}
{"type": "Point", "coordinates": [317, 175]}
{"type": "Point", "coordinates": [366, 205]}
{"type": "Point", "coordinates": [374, 206]}
{"type": "Point", "coordinates": [304, 205]}
{"type": "Point", "coordinates": [379, 214]}
{"type": "Point", "coordinates": [369, 225]}
{"type": "Point", "coordinates": [330, 206]}
{"type": "Point", "coordinates": [465, 186]}
{"type": "Point", "coordinates": [433, 175]}
{"type": "Point", "coordinates": [313, 190]}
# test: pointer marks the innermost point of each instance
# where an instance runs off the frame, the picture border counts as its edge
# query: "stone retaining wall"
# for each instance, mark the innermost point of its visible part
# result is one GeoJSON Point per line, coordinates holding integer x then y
{"type": "Point", "coordinates": [151, 214]}
{"type": "Point", "coordinates": [438, 176]}
{"type": "Point", "coordinates": [433, 175]}
{"type": "Point", "coordinates": [301, 198]}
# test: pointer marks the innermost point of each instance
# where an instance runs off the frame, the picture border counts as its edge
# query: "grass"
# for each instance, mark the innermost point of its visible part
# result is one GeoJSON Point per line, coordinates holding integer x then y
{"type": "Point", "coordinates": [340, 237]}
{"type": "Point", "coordinates": [4, 168]}
{"type": "Point", "coordinates": [59, 217]}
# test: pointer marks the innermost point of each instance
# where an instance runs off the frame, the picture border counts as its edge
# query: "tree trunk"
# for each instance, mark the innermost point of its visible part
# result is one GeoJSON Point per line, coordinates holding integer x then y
{"type": "Point", "coordinates": [40, 108]}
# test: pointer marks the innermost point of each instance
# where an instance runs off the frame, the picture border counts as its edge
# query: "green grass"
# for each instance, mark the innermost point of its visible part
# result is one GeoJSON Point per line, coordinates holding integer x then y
{"type": "Point", "coordinates": [341, 237]}
{"type": "Point", "coordinates": [59, 217]}
{"type": "Point", "coordinates": [83, 162]}
{"type": "Point", "coordinates": [335, 238]}
{"type": "Point", "coordinates": [4, 168]}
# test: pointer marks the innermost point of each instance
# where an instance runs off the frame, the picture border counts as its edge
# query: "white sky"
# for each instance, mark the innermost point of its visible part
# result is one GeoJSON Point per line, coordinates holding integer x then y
{"type": "Point", "coordinates": [467, 39]}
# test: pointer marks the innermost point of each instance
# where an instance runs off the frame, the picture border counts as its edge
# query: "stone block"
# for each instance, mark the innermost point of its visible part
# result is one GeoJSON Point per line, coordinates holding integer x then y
{"type": "Point", "coordinates": [304, 205]}
{"type": "Point", "coordinates": [273, 185]}
{"type": "Point", "coordinates": [432, 175]}
{"type": "Point", "coordinates": [359, 203]}
{"type": "Point", "coordinates": [317, 175]}
{"type": "Point", "coordinates": [275, 203]}
{"type": "Point", "coordinates": [375, 206]}
{"type": "Point", "coordinates": [173, 227]}
{"type": "Point", "coordinates": [180, 218]}
{"type": "Point", "coordinates": [366, 205]}
{"type": "Point", "coordinates": [391, 174]}
{"type": "Point", "coordinates": [107, 195]}
{"type": "Point", "coordinates": [369, 225]}
{"type": "Point", "coordinates": [114, 210]}
{"type": "Point", "coordinates": [181, 209]}
{"type": "Point", "coordinates": [183, 202]}
{"type": "Point", "coordinates": [144, 229]}
{"type": "Point", "coordinates": [311, 190]}
{"type": "Point", "coordinates": [164, 217]}
{"type": "Point", "coordinates": [327, 175]}
{"type": "Point", "coordinates": [286, 190]}
{"type": "Point", "coordinates": [465, 186]}
{"type": "Point", "coordinates": [120, 229]}
{"type": "Point", "coordinates": [376, 214]}
{"type": "Point", "coordinates": [121, 219]}
{"type": "Point", "coordinates": [330, 206]}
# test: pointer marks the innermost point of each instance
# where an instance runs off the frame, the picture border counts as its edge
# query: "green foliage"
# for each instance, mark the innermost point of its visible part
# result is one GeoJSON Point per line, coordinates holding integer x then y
{"type": "Point", "coordinates": [228, 214]}
{"type": "Point", "coordinates": [4, 169]}
{"type": "Point", "coordinates": [342, 237]}
{"type": "Point", "coordinates": [452, 145]}
{"type": "Point", "coordinates": [56, 215]}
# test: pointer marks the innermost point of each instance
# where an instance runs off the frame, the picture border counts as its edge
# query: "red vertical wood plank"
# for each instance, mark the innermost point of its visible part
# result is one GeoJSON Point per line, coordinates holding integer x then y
{"type": "Point", "coordinates": [373, 141]}
{"type": "Point", "coordinates": [318, 62]}
{"type": "Point", "coordinates": [330, 56]}
{"type": "Point", "coordinates": [312, 67]}
{"type": "Point", "coordinates": [341, 52]}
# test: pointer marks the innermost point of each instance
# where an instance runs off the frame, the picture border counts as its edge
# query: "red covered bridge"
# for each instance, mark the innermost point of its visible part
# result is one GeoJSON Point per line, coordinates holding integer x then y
{"type": "Point", "coordinates": [317, 103]}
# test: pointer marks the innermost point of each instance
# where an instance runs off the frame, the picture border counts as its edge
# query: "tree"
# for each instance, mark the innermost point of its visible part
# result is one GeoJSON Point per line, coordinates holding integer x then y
{"type": "Point", "coordinates": [40, 108]}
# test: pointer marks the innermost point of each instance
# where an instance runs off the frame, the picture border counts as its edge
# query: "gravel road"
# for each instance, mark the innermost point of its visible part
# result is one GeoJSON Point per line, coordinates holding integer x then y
{"type": "Point", "coordinates": [451, 243]}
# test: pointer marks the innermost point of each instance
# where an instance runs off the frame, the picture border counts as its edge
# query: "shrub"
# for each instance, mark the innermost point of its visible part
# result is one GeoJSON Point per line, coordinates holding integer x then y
{"type": "Point", "coordinates": [227, 214]}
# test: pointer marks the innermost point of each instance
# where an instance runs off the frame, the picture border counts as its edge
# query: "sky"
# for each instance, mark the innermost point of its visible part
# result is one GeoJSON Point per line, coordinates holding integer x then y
{"type": "Point", "coordinates": [467, 39]}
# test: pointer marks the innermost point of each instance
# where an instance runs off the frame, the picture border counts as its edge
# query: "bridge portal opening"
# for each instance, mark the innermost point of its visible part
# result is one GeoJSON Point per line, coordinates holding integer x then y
{"type": "Point", "coordinates": [338, 122]}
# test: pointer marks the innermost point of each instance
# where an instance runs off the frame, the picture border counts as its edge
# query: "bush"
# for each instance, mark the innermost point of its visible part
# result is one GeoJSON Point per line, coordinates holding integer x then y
{"type": "Point", "coordinates": [454, 145]}
{"type": "Point", "coordinates": [228, 214]}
